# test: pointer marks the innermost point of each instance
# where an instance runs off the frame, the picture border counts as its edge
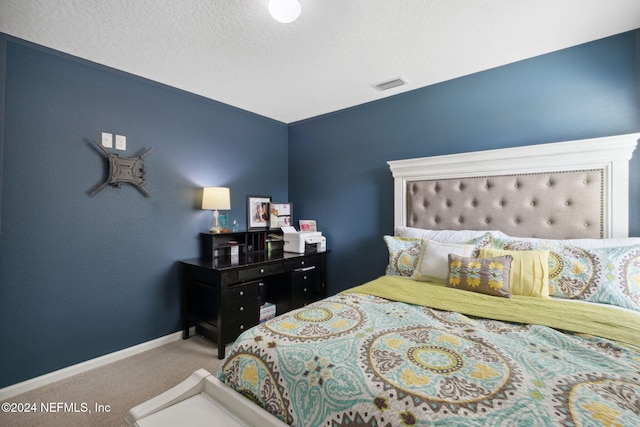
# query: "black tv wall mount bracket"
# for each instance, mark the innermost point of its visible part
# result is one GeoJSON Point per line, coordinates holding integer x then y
{"type": "Point", "coordinates": [124, 170]}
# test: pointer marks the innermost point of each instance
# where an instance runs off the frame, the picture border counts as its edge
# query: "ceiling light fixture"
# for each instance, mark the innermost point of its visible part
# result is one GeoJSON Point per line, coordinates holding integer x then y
{"type": "Point", "coordinates": [284, 11]}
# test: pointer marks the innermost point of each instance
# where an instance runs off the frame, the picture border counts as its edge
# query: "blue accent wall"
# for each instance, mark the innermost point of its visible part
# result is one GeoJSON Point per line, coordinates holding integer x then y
{"type": "Point", "coordinates": [84, 276]}
{"type": "Point", "coordinates": [337, 163]}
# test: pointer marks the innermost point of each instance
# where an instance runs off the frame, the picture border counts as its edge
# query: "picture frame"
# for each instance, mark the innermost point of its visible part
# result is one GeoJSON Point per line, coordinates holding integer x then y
{"type": "Point", "coordinates": [308, 225]}
{"type": "Point", "coordinates": [280, 215]}
{"type": "Point", "coordinates": [258, 212]}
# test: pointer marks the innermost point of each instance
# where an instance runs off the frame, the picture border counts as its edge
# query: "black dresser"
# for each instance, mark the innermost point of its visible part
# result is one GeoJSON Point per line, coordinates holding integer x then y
{"type": "Point", "coordinates": [238, 272]}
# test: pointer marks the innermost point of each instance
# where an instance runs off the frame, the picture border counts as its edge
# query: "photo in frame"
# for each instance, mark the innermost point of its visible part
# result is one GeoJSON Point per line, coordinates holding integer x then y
{"type": "Point", "coordinates": [281, 215]}
{"type": "Point", "coordinates": [308, 225]}
{"type": "Point", "coordinates": [258, 212]}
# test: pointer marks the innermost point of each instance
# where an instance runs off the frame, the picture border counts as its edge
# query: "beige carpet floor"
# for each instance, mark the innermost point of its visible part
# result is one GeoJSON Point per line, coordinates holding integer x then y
{"type": "Point", "coordinates": [108, 392]}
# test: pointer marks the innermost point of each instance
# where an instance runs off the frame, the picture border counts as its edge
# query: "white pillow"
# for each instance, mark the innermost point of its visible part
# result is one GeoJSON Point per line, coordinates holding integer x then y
{"type": "Point", "coordinates": [433, 260]}
{"type": "Point", "coordinates": [448, 236]}
{"type": "Point", "coordinates": [463, 236]}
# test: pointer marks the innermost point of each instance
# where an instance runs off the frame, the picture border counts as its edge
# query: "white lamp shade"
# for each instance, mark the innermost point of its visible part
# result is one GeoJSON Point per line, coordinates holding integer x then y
{"type": "Point", "coordinates": [284, 11]}
{"type": "Point", "coordinates": [216, 198]}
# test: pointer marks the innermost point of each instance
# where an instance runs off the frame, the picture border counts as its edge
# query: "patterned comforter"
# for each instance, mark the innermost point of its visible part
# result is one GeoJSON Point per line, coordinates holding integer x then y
{"type": "Point", "coordinates": [360, 359]}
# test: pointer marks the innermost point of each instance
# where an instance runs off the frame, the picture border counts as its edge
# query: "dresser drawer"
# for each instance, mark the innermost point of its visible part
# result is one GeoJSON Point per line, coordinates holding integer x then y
{"type": "Point", "coordinates": [243, 291]}
{"type": "Point", "coordinates": [302, 262]}
{"type": "Point", "coordinates": [304, 292]}
{"type": "Point", "coordinates": [304, 278]}
{"type": "Point", "coordinates": [234, 327]}
{"type": "Point", "coordinates": [304, 287]}
{"type": "Point", "coordinates": [262, 271]}
{"type": "Point", "coordinates": [248, 308]}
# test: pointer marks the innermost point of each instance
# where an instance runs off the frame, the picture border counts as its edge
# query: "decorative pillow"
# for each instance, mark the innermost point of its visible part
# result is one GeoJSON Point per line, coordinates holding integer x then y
{"type": "Point", "coordinates": [529, 271]}
{"type": "Point", "coordinates": [484, 275]}
{"type": "Point", "coordinates": [483, 241]}
{"type": "Point", "coordinates": [433, 264]}
{"type": "Point", "coordinates": [571, 268]}
{"type": "Point", "coordinates": [403, 254]}
{"type": "Point", "coordinates": [616, 277]}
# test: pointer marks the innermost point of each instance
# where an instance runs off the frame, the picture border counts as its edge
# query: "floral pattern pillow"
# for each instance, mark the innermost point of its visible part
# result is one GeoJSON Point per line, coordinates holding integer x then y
{"type": "Point", "coordinates": [570, 268]}
{"type": "Point", "coordinates": [403, 255]}
{"type": "Point", "coordinates": [616, 278]}
{"type": "Point", "coordinates": [603, 275]}
{"type": "Point", "coordinates": [484, 275]}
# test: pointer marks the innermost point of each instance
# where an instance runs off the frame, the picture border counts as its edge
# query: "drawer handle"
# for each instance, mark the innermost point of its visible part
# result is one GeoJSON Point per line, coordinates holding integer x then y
{"type": "Point", "coordinates": [301, 262]}
{"type": "Point", "coordinates": [304, 290]}
{"type": "Point", "coordinates": [262, 270]}
{"type": "Point", "coordinates": [241, 293]}
{"type": "Point", "coordinates": [304, 278]}
{"type": "Point", "coordinates": [241, 308]}
{"type": "Point", "coordinates": [241, 326]}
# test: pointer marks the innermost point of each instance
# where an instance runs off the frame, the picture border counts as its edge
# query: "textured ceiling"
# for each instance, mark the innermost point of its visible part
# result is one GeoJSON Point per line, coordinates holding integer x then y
{"type": "Point", "coordinates": [327, 60]}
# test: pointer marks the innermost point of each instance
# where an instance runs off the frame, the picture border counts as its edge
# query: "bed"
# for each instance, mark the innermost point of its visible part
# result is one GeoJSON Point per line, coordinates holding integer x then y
{"type": "Point", "coordinates": [511, 297]}
{"type": "Point", "coordinates": [400, 351]}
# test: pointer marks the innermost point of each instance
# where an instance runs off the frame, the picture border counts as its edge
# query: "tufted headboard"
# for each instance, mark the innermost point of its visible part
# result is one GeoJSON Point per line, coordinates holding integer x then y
{"type": "Point", "coordinates": [574, 189]}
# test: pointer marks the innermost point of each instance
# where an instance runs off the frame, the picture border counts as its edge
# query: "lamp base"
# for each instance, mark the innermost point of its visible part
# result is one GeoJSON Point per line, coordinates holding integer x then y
{"type": "Point", "coordinates": [215, 224]}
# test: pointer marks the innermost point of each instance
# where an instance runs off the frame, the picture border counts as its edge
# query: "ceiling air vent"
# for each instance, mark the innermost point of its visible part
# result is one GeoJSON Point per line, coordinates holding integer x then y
{"type": "Point", "coordinates": [390, 84]}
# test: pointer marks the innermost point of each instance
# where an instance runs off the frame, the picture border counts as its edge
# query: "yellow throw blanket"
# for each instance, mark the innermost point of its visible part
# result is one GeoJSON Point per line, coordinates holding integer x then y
{"type": "Point", "coordinates": [601, 320]}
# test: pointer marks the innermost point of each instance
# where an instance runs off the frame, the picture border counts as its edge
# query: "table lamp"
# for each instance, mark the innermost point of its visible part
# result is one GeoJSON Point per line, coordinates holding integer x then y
{"type": "Point", "coordinates": [214, 198]}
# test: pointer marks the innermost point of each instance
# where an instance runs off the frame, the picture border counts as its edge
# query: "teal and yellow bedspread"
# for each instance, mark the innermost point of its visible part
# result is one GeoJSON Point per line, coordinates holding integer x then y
{"type": "Point", "coordinates": [395, 352]}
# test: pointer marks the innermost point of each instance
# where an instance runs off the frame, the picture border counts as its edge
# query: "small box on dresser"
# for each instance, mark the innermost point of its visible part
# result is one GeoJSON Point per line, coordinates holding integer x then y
{"type": "Point", "coordinates": [267, 311]}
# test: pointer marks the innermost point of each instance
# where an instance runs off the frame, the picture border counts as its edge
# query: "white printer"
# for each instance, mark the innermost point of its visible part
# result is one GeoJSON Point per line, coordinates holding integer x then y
{"type": "Point", "coordinates": [303, 242]}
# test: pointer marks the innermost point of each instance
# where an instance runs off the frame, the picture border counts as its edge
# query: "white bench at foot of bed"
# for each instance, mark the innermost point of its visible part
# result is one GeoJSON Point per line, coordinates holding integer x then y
{"type": "Point", "coordinates": [200, 400]}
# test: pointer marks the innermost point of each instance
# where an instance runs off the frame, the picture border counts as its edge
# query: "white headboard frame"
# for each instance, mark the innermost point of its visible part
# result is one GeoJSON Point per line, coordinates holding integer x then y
{"type": "Point", "coordinates": [611, 154]}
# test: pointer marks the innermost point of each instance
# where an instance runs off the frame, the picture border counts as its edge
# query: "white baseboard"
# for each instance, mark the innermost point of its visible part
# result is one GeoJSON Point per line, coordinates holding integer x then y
{"type": "Point", "coordinates": [22, 387]}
